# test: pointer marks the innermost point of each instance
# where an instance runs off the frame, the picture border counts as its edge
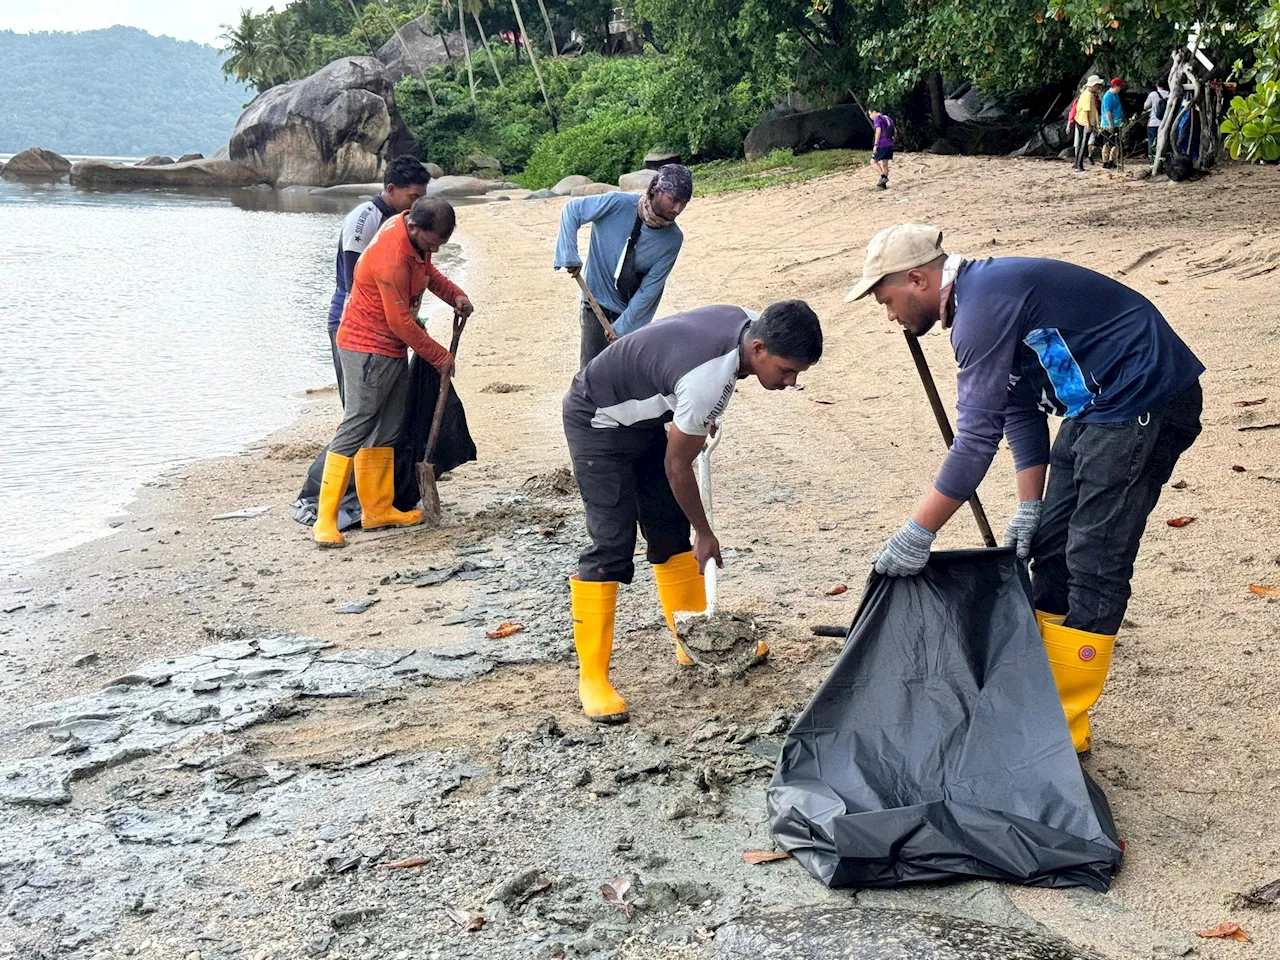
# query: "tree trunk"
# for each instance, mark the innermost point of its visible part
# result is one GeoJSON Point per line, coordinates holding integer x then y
{"type": "Point", "coordinates": [484, 42]}
{"type": "Point", "coordinates": [466, 52]}
{"type": "Point", "coordinates": [551, 34]}
{"type": "Point", "coordinates": [938, 104]}
{"type": "Point", "coordinates": [1171, 109]}
{"type": "Point", "coordinates": [533, 59]}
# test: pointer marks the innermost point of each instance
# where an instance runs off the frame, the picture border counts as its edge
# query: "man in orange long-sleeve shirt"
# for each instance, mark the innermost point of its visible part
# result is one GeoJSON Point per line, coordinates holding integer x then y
{"type": "Point", "coordinates": [379, 323]}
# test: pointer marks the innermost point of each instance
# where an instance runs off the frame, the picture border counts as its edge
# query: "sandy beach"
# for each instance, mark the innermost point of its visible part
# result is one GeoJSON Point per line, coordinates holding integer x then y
{"type": "Point", "coordinates": [809, 483]}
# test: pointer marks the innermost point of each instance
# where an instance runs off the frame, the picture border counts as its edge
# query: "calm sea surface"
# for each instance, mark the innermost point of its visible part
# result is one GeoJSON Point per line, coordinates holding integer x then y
{"type": "Point", "coordinates": [142, 330]}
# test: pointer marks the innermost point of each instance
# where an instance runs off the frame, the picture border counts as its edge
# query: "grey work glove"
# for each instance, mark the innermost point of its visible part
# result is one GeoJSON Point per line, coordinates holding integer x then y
{"type": "Point", "coordinates": [1022, 527]}
{"type": "Point", "coordinates": [906, 552]}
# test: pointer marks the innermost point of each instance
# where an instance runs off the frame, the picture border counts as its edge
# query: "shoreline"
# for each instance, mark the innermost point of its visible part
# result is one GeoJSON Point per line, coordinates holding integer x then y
{"type": "Point", "coordinates": [1188, 694]}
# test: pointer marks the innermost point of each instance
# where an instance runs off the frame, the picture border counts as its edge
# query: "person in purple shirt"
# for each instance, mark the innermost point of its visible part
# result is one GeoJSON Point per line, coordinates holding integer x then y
{"type": "Point", "coordinates": [882, 149]}
{"type": "Point", "coordinates": [1037, 337]}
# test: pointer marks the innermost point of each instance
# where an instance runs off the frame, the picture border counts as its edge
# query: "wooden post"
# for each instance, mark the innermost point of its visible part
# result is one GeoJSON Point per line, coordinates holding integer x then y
{"type": "Point", "coordinates": [484, 42]}
{"type": "Point", "coordinates": [524, 36]}
{"type": "Point", "coordinates": [551, 34]}
{"type": "Point", "coordinates": [466, 52]}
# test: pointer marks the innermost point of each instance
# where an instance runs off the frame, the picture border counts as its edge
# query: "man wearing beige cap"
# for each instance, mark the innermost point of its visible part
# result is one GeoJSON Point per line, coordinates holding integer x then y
{"type": "Point", "coordinates": [1086, 119]}
{"type": "Point", "coordinates": [1034, 337]}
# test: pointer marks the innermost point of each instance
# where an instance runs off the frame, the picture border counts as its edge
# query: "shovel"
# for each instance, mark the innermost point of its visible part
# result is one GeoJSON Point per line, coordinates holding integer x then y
{"type": "Point", "coordinates": [944, 425]}
{"type": "Point", "coordinates": [426, 471]}
{"type": "Point", "coordinates": [609, 333]}
{"type": "Point", "coordinates": [726, 643]}
{"type": "Point", "coordinates": [704, 488]}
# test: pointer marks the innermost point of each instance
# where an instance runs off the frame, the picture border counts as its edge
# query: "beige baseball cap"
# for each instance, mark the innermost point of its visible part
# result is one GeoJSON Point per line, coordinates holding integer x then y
{"type": "Point", "coordinates": [895, 249]}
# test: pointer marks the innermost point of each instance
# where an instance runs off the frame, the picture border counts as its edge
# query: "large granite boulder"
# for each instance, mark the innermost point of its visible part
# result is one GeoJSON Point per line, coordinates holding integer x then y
{"type": "Point", "coordinates": [426, 48]}
{"type": "Point", "coordinates": [155, 160]}
{"type": "Point", "coordinates": [447, 187]}
{"type": "Point", "coordinates": [483, 166]}
{"type": "Point", "coordinates": [338, 125]}
{"type": "Point", "coordinates": [194, 173]}
{"type": "Point", "coordinates": [567, 185]}
{"type": "Point", "coordinates": [840, 127]}
{"type": "Point", "coordinates": [637, 181]}
{"type": "Point", "coordinates": [1050, 140]}
{"type": "Point", "coordinates": [37, 163]}
{"type": "Point", "coordinates": [593, 189]}
{"type": "Point", "coordinates": [434, 169]}
{"type": "Point", "coordinates": [188, 157]}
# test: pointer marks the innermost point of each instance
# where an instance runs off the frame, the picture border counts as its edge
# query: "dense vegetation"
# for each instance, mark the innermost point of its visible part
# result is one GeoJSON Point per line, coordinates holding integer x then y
{"type": "Point", "coordinates": [710, 69]}
{"type": "Point", "coordinates": [117, 92]}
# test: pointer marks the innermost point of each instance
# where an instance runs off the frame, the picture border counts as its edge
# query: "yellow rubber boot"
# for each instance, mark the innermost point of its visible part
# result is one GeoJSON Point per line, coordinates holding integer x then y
{"type": "Point", "coordinates": [376, 487]}
{"type": "Point", "coordinates": [1041, 617]}
{"type": "Point", "coordinates": [1080, 662]}
{"type": "Point", "coordinates": [333, 487]}
{"type": "Point", "coordinates": [593, 611]}
{"type": "Point", "coordinates": [680, 588]}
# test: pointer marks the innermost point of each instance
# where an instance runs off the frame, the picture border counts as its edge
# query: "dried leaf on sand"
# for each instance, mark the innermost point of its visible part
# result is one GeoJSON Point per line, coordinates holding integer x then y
{"type": "Point", "coordinates": [506, 630]}
{"type": "Point", "coordinates": [765, 856]}
{"type": "Point", "coordinates": [1225, 930]}
{"type": "Point", "coordinates": [615, 894]}
{"type": "Point", "coordinates": [469, 920]}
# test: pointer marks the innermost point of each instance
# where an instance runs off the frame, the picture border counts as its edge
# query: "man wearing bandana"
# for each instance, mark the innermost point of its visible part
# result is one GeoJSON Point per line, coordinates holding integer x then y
{"type": "Point", "coordinates": [634, 245]}
{"type": "Point", "coordinates": [1036, 337]}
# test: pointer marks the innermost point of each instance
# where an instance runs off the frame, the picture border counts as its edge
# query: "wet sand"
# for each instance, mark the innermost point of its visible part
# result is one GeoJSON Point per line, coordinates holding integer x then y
{"type": "Point", "coordinates": [808, 484]}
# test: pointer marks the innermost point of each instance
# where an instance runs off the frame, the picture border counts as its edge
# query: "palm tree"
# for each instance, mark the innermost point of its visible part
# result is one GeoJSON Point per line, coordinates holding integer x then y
{"type": "Point", "coordinates": [285, 48]}
{"type": "Point", "coordinates": [244, 42]}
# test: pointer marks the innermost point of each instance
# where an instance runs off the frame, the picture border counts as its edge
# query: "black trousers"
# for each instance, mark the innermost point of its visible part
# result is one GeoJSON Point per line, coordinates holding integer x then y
{"type": "Point", "coordinates": [1082, 147]}
{"type": "Point", "coordinates": [1104, 481]}
{"type": "Point", "coordinates": [622, 476]}
{"type": "Point", "coordinates": [337, 366]}
{"type": "Point", "coordinates": [593, 338]}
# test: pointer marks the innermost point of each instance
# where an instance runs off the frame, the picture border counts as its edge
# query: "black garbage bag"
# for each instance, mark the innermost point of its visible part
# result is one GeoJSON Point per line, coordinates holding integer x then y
{"type": "Point", "coordinates": [937, 748]}
{"type": "Point", "coordinates": [454, 448]}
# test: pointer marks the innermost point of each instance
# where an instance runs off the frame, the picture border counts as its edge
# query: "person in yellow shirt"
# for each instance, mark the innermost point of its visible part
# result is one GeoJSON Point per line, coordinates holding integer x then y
{"type": "Point", "coordinates": [1087, 116]}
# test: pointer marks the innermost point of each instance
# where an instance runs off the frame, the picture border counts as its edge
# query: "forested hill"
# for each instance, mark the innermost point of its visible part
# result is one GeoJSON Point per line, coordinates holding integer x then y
{"type": "Point", "coordinates": [115, 92]}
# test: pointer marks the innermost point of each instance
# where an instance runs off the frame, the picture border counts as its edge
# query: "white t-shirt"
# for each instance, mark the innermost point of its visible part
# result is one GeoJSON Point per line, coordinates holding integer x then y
{"type": "Point", "coordinates": [1152, 105]}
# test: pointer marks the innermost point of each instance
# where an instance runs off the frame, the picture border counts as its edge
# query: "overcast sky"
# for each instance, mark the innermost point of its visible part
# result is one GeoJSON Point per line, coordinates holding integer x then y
{"type": "Point", "coordinates": [198, 20]}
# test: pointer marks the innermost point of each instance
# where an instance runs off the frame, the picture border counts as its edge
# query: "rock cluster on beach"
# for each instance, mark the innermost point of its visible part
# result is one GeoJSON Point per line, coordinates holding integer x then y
{"type": "Point", "coordinates": [37, 163]}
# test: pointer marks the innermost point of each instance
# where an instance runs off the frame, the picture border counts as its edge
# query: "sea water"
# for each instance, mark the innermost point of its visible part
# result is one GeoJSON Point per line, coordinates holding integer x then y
{"type": "Point", "coordinates": [142, 330]}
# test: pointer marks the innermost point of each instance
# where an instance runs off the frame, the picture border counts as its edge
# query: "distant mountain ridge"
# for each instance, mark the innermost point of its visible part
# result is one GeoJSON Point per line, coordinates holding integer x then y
{"type": "Point", "coordinates": [114, 92]}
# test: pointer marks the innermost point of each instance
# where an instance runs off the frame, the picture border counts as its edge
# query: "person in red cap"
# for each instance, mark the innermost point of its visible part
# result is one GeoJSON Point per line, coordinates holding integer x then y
{"type": "Point", "coordinates": [1112, 123]}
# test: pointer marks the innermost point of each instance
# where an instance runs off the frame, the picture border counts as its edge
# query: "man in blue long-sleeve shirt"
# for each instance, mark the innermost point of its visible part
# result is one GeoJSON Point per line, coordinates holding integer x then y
{"type": "Point", "coordinates": [634, 245]}
{"type": "Point", "coordinates": [1037, 337]}
{"type": "Point", "coordinates": [404, 182]}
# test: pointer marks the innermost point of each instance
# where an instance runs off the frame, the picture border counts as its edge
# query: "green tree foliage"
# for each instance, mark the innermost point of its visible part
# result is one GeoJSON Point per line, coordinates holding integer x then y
{"type": "Point", "coordinates": [603, 147]}
{"type": "Point", "coordinates": [285, 49]}
{"type": "Point", "coordinates": [1252, 125]}
{"type": "Point", "coordinates": [243, 41]}
{"type": "Point", "coordinates": [116, 92]}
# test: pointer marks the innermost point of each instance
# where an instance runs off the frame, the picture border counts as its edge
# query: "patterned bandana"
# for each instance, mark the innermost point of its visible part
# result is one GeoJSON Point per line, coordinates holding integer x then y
{"type": "Point", "coordinates": [676, 182]}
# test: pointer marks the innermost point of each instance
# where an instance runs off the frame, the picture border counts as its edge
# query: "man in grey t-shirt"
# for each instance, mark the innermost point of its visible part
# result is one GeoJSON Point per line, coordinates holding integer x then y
{"type": "Point", "coordinates": [632, 467]}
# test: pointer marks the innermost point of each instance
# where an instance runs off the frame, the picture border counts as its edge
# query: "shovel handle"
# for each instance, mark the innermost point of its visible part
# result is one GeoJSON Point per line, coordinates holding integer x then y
{"type": "Point", "coordinates": [459, 324]}
{"type": "Point", "coordinates": [595, 308]}
{"type": "Point", "coordinates": [710, 575]}
{"type": "Point", "coordinates": [940, 414]}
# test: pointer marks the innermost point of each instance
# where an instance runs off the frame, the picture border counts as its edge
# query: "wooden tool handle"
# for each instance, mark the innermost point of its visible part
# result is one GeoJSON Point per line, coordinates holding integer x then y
{"type": "Point", "coordinates": [940, 414]}
{"type": "Point", "coordinates": [459, 323]}
{"type": "Point", "coordinates": [595, 308]}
